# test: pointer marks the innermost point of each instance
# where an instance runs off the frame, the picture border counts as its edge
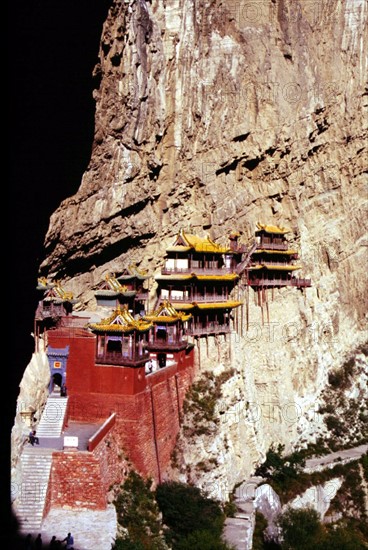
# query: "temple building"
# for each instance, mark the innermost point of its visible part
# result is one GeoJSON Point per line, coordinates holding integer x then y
{"type": "Point", "coordinates": [168, 335]}
{"type": "Point", "coordinates": [272, 261]}
{"type": "Point", "coordinates": [125, 289]}
{"type": "Point", "coordinates": [121, 340]}
{"type": "Point", "coordinates": [198, 277]}
{"type": "Point", "coordinates": [55, 305]}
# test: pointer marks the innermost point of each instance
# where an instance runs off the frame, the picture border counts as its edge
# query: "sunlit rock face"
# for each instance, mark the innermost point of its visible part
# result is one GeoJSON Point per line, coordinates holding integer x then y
{"type": "Point", "coordinates": [212, 116]}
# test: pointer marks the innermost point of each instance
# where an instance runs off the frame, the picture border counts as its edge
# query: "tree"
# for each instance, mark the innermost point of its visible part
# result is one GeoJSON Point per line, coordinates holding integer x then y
{"type": "Point", "coordinates": [138, 512]}
{"type": "Point", "coordinates": [184, 509]}
{"type": "Point", "coordinates": [301, 529]}
{"type": "Point", "coordinates": [193, 520]}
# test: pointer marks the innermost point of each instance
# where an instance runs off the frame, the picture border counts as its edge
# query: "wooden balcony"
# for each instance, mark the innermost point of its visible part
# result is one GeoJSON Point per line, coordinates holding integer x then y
{"type": "Point", "coordinates": [209, 329]}
{"type": "Point", "coordinates": [199, 298]}
{"type": "Point", "coordinates": [298, 282]}
{"type": "Point", "coordinates": [141, 295]}
{"type": "Point", "coordinates": [116, 358]}
{"type": "Point", "coordinates": [273, 246]}
{"type": "Point", "coordinates": [198, 270]}
{"type": "Point", "coordinates": [52, 310]}
{"type": "Point", "coordinates": [165, 345]}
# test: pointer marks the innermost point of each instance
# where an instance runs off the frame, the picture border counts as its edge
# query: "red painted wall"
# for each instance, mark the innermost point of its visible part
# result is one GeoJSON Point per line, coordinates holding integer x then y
{"type": "Point", "coordinates": [147, 407]}
{"type": "Point", "coordinates": [81, 356]}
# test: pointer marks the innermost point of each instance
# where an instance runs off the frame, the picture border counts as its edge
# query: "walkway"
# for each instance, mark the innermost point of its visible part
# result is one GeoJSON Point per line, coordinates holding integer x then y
{"type": "Point", "coordinates": [238, 531]}
{"type": "Point", "coordinates": [53, 416]}
{"type": "Point", "coordinates": [36, 461]}
{"type": "Point", "coordinates": [91, 530]}
{"type": "Point", "coordinates": [30, 503]}
{"type": "Point", "coordinates": [338, 457]}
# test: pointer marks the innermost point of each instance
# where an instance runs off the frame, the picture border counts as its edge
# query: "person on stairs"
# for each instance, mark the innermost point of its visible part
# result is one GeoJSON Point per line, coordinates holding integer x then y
{"type": "Point", "coordinates": [33, 438]}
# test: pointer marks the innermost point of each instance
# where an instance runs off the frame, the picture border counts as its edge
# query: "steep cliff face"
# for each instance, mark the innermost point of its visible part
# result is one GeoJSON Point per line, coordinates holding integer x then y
{"type": "Point", "coordinates": [214, 115]}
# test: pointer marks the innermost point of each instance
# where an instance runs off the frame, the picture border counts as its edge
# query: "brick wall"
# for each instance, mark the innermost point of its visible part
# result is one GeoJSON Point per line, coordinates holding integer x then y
{"type": "Point", "coordinates": [81, 479]}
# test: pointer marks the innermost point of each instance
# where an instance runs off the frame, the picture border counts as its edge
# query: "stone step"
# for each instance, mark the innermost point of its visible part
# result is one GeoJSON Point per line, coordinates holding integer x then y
{"type": "Point", "coordinates": [35, 472]}
{"type": "Point", "coordinates": [52, 419]}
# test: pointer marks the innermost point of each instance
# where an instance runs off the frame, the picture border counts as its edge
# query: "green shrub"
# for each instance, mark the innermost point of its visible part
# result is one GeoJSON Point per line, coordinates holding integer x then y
{"type": "Point", "coordinates": [138, 512]}
{"type": "Point", "coordinates": [186, 510]}
{"type": "Point", "coordinates": [127, 544]}
{"type": "Point", "coordinates": [201, 540]}
{"type": "Point", "coordinates": [201, 400]}
{"type": "Point", "coordinates": [335, 425]}
{"type": "Point", "coordinates": [301, 529]}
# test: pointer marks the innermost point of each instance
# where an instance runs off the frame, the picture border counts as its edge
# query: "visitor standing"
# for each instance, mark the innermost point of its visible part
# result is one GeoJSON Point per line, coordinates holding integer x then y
{"type": "Point", "coordinates": [69, 541]}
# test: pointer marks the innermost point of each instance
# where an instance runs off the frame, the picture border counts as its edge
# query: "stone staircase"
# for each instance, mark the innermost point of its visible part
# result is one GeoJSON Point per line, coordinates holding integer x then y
{"type": "Point", "coordinates": [30, 502]}
{"type": "Point", "coordinates": [53, 415]}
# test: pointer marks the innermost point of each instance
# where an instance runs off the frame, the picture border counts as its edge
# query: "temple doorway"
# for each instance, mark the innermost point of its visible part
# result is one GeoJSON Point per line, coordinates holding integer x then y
{"type": "Point", "coordinates": [57, 381]}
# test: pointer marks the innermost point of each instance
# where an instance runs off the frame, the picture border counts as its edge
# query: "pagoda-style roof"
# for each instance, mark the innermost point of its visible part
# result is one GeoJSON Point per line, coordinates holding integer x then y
{"type": "Point", "coordinates": [184, 305]}
{"type": "Point", "coordinates": [44, 284]}
{"type": "Point", "coordinates": [188, 276]}
{"type": "Point", "coordinates": [166, 313]}
{"type": "Point", "coordinates": [218, 305]}
{"type": "Point", "coordinates": [274, 229]}
{"type": "Point", "coordinates": [121, 320]}
{"type": "Point", "coordinates": [224, 277]}
{"type": "Point", "coordinates": [133, 272]}
{"type": "Point", "coordinates": [175, 277]}
{"type": "Point", "coordinates": [185, 242]}
{"type": "Point", "coordinates": [111, 287]}
{"type": "Point", "coordinates": [55, 292]}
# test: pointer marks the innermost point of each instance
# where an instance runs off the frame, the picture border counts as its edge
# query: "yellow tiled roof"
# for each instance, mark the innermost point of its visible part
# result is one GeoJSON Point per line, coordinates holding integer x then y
{"type": "Point", "coordinates": [121, 320]}
{"type": "Point", "coordinates": [282, 267]}
{"type": "Point", "coordinates": [225, 277]}
{"type": "Point", "coordinates": [183, 306]}
{"type": "Point", "coordinates": [179, 248]}
{"type": "Point", "coordinates": [199, 244]}
{"type": "Point", "coordinates": [167, 313]}
{"type": "Point", "coordinates": [174, 277]}
{"type": "Point", "coordinates": [273, 228]}
{"type": "Point", "coordinates": [218, 305]}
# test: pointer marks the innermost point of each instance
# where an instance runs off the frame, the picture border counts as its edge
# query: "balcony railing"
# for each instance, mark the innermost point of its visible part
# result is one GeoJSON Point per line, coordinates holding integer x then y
{"type": "Point", "coordinates": [116, 358]}
{"type": "Point", "coordinates": [141, 295]}
{"type": "Point", "coordinates": [273, 246]}
{"type": "Point", "coordinates": [272, 262]}
{"type": "Point", "coordinates": [281, 282]}
{"type": "Point", "coordinates": [52, 310]}
{"type": "Point", "coordinates": [198, 270]}
{"type": "Point", "coordinates": [209, 329]}
{"type": "Point", "coordinates": [199, 298]}
{"type": "Point", "coordinates": [165, 345]}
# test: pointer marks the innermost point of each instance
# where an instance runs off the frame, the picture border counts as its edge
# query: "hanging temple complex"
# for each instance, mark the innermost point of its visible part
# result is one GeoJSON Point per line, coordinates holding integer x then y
{"type": "Point", "coordinates": [128, 366]}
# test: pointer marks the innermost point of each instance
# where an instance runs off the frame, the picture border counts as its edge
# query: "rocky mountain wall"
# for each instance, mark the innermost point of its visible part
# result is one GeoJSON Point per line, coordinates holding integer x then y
{"type": "Point", "coordinates": [213, 115]}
